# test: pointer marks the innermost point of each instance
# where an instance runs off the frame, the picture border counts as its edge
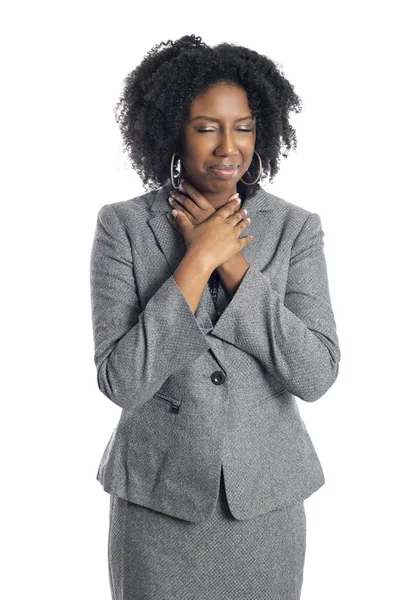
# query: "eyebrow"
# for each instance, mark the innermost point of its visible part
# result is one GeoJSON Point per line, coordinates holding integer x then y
{"type": "Point", "coordinates": [212, 118]}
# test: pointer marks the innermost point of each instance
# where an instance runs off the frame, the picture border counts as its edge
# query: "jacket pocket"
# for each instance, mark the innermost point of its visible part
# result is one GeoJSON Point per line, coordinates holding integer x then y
{"type": "Point", "coordinates": [174, 403]}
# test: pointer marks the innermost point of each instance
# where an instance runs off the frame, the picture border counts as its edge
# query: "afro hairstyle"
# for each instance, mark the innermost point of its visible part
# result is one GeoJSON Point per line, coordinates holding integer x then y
{"type": "Point", "coordinates": [156, 97]}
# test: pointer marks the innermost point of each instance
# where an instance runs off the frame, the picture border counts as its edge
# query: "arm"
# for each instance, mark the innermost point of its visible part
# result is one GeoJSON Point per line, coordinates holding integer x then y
{"type": "Point", "coordinates": [136, 350]}
{"type": "Point", "coordinates": [232, 273]}
{"type": "Point", "coordinates": [192, 276]}
{"type": "Point", "coordinates": [293, 337]}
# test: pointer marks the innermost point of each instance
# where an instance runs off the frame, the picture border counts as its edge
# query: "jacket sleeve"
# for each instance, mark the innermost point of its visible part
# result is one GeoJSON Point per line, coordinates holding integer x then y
{"type": "Point", "coordinates": [294, 337]}
{"type": "Point", "coordinates": [135, 350]}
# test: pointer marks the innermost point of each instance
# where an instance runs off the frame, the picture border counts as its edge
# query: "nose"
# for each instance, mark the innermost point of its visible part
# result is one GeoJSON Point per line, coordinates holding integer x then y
{"type": "Point", "coordinates": [226, 144]}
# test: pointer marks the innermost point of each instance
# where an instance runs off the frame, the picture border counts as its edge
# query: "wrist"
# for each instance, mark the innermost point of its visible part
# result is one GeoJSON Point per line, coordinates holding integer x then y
{"type": "Point", "coordinates": [199, 262]}
{"type": "Point", "coordinates": [230, 263]}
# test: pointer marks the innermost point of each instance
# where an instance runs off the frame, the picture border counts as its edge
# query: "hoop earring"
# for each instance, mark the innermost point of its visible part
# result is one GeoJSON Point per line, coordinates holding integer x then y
{"type": "Point", "coordinates": [172, 172]}
{"type": "Point", "coordinates": [259, 174]}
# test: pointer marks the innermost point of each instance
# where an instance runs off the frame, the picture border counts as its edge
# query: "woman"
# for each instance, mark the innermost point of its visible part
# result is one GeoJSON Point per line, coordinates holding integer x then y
{"type": "Point", "coordinates": [203, 337]}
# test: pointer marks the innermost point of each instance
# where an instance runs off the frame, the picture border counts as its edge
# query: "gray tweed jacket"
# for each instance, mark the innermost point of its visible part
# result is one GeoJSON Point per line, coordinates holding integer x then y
{"type": "Point", "coordinates": [216, 389]}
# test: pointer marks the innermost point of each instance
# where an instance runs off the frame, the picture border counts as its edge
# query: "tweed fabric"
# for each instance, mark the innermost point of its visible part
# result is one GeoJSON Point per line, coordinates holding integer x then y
{"type": "Point", "coordinates": [153, 556]}
{"type": "Point", "coordinates": [215, 388]}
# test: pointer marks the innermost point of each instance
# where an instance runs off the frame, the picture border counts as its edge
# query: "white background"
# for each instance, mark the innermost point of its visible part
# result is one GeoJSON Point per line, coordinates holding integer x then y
{"type": "Point", "coordinates": [62, 70]}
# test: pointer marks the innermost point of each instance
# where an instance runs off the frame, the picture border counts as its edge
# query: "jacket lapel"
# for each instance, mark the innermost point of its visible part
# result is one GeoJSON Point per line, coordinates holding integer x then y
{"type": "Point", "coordinates": [173, 247]}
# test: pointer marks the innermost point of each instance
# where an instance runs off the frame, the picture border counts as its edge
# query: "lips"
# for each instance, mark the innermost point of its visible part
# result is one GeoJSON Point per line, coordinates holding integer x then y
{"type": "Point", "coordinates": [223, 171]}
{"type": "Point", "coordinates": [227, 167]}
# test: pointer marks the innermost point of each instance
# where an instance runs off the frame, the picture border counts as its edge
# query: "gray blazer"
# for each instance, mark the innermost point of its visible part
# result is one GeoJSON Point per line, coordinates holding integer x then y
{"type": "Point", "coordinates": [215, 389]}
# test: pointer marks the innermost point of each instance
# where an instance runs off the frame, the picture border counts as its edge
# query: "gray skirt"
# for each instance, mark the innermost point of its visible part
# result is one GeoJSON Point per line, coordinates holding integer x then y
{"type": "Point", "coordinates": [154, 556]}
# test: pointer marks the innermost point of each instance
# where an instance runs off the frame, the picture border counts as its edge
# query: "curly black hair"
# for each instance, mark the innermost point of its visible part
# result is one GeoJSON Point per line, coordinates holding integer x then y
{"type": "Point", "coordinates": [157, 95]}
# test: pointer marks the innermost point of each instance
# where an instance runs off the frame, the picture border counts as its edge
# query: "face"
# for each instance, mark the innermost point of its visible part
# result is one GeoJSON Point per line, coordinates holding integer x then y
{"type": "Point", "coordinates": [220, 130]}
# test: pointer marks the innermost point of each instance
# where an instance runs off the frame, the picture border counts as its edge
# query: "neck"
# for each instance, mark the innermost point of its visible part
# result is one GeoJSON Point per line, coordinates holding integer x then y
{"type": "Point", "coordinates": [215, 197]}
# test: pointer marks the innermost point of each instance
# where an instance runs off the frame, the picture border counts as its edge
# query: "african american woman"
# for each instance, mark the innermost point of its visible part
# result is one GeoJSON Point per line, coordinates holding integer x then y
{"type": "Point", "coordinates": [211, 317]}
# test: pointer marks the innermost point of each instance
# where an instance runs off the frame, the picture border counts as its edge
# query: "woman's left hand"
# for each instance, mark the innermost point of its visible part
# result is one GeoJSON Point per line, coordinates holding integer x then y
{"type": "Point", "coordinates": [196, 208]}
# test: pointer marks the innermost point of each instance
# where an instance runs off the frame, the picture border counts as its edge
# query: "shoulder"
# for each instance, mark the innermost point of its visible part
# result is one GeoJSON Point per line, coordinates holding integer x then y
{"type": "Point", "coordinates": [286, 209]}
{"type": "Point", "coordinates": [284, 218]}
{"type": "Point", "coordinates": [125, 209]}
{"type": "Point", "coordinates": [127, 214]}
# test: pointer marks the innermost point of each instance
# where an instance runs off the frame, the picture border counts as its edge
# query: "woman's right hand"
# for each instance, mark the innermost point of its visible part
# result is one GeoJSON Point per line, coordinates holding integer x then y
{"type": "Point", "coordinates": [216, 240]}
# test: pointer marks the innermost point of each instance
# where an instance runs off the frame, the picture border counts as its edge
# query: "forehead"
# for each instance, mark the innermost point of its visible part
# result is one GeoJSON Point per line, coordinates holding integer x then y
{"type": "Point", "coordinates": [221, 102]}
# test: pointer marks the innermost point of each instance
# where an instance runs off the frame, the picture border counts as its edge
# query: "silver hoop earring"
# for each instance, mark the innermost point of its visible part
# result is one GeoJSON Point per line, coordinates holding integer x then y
{"type": "Point", "coordinates": [259, 174]}
{"type": "Point", "coordinates": [172, 172]}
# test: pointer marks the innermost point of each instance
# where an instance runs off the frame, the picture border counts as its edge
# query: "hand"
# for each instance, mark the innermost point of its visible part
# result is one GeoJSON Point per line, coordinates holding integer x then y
{"type": "Point", "coordinates": [216, 239]}
{"type": "Point", "coordinates": [197, 210]}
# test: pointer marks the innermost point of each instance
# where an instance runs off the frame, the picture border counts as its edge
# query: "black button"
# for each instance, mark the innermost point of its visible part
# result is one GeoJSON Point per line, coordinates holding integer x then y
{"type": "Point", "coordinates": [217, 377]}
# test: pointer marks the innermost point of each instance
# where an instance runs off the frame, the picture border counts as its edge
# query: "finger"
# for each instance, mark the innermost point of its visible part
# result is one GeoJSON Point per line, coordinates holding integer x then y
{"type": "Point", "coordinates": [236, 195]}
{"type": "Point", "coordinates": [237, 199]}
{"type": "Point", "coordinates": [243, 224]}
{"type": "Point", "coordinates": [184, 224]}
{"type": "Point", "coordinates": [229, 208]}
{"type": "Point", "coordinates": [245, 241]}
{"type": "Point", "coordinates": [172, 221]}
{"type": "Point", "coordinates": [181, 202]}
{"type": "Point", "coordinates": [178, 206]}
{"type": "Point", "coordinates": [238, 204]}
{"type": "Point", "coordinates": [238, 216]}
{"type": "Point", "coordinates": [198, 199]}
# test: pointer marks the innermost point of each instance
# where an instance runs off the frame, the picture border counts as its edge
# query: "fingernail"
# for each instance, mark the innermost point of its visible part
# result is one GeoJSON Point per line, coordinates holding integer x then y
{"type": "Point", "coordinates": [181, 188]}
{"type": "Point", "coordinates": [237, 200]}
{"type": "Point", "coordinates": [175, 212]}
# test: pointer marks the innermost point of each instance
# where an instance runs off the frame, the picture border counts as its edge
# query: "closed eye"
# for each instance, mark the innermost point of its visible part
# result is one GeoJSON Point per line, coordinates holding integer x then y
{"type": "Point", "coordinates": [208, 130]}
